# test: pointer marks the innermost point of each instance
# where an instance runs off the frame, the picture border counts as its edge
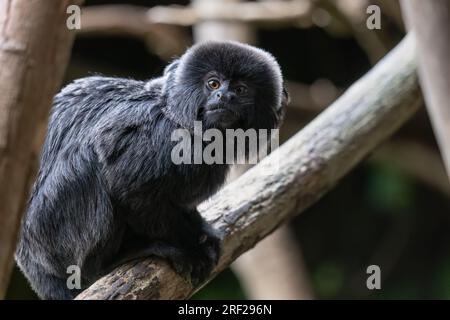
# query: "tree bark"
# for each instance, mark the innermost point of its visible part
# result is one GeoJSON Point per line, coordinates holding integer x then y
{"type": "Point", "coordinates": [290, 179]}
{"type": "Point", "coordinates": [34, 49]}
{"type": "Point", "coordinates": [430, 23]}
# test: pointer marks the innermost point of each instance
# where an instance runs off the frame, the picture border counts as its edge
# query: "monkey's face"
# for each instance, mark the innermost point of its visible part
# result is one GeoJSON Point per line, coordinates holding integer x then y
{"type": "Point", "coordinates": [226, 85]}
{"type": "Point", "coordinates": [227, 103]}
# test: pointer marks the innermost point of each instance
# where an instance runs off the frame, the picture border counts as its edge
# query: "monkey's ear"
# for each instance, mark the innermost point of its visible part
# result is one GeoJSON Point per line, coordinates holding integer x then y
{"type": "Point", "coordinates": [286, 99]}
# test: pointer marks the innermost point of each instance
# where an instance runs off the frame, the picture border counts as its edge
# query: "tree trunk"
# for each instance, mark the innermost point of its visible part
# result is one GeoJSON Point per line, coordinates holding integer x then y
{"type": "Point", "coordinates": [34, 50]}
{"type": "Point", "coordinates": [430, 23]}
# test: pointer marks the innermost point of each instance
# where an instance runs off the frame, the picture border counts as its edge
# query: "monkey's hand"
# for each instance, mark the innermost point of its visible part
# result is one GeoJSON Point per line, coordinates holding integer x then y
{"type": "Point", "coordinates": [194, 263]}
{"type": "Point", "coordinates": [199, 246]}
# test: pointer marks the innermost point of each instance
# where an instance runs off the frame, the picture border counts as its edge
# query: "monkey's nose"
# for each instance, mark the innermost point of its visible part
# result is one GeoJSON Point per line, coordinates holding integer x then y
{"type": "Point", "coordinates": [225, 97]}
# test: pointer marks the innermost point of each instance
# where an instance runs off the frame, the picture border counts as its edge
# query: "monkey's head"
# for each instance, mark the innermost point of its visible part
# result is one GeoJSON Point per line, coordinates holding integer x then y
{"type": "Point", "coordinates": [225, 85]}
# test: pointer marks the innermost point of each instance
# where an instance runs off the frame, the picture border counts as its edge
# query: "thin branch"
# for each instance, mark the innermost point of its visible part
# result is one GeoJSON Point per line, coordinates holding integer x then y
{"type": "Point", "coordinates": [290, 179]}
{"type": "Point", "coordinates": [391, 8]}
{"type": "Point", "coordinates": [115, 19]}
{"type": "Point", "coordinates": [354, 21]}
{"type": "Point", "coordinates": [135, 20]}
{"type": "Point", "coordinates": [416, 160]}
{"type": "Point", "coordinates": [263, 12]}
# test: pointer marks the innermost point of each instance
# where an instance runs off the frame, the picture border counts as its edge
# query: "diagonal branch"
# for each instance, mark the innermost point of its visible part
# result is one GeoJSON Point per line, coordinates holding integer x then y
{"type": "Point", "coordinates": [289, 180]}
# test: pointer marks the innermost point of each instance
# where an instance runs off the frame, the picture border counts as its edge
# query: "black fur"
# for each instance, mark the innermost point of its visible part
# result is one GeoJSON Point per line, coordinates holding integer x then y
{"type": "Point", "coordinates": [107, 189]}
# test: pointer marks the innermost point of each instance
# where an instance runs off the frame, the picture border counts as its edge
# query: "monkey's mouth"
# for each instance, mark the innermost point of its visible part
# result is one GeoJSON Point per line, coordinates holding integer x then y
{"type": "Point", "coordinates": [220, 109]}
{"type": "Point", "coordinates": [219, 116]}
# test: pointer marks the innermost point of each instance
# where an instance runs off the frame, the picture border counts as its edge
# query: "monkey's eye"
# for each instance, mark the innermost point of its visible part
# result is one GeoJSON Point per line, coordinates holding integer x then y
{"type": "Point", "coordinates": [241, 89]}
{"type": "Point", "coordinates": [213, 84]}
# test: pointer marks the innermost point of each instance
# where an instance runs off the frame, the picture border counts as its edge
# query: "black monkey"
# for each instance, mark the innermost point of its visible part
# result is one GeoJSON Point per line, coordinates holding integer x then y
{"type": "Point", "coordinates": [107, 188]}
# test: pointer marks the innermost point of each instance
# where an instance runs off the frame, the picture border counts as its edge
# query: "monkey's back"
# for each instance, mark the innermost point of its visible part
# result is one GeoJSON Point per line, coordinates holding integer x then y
{"type": "Point", "coordinates": [70, 213]}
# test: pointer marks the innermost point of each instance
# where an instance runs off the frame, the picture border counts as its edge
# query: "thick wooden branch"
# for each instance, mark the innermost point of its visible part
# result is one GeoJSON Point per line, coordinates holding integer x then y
{"type": "Point", "coordinates": [430, 23]}
{"type": "Point", "coordinates": [290, 179]}
{"type": "Point", "coordinates": [34, 50]}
